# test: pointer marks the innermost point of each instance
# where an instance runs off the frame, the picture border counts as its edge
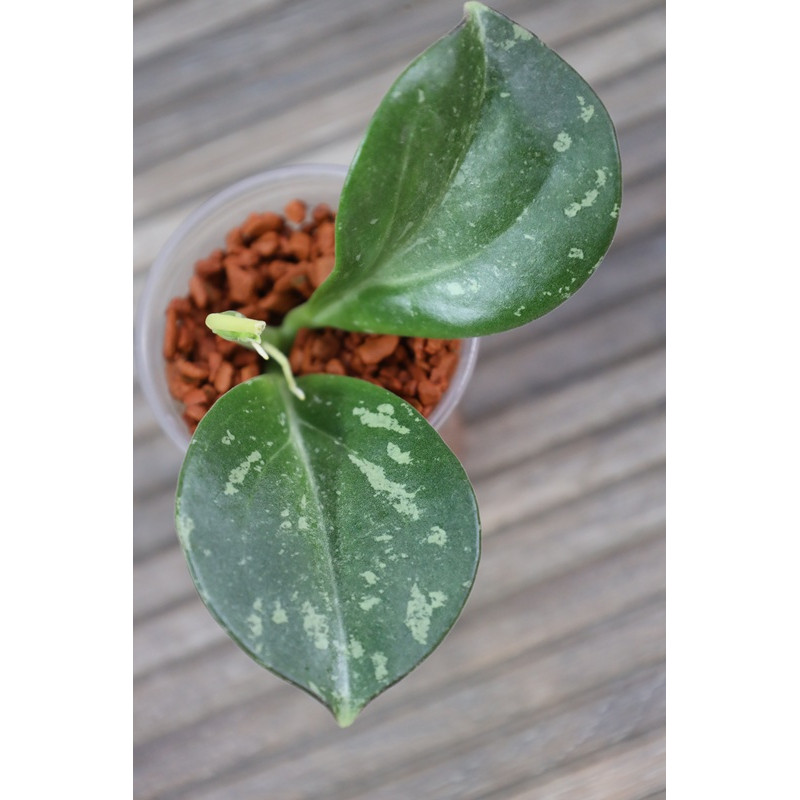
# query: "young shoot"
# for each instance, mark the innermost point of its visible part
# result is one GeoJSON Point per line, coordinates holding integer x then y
{"type": "Point", "coordinates": [235, 327]}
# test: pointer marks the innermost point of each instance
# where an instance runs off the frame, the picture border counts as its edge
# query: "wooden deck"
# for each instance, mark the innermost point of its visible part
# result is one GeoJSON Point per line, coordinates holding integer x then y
{"type": "Point", "coordinates": [551, 685]}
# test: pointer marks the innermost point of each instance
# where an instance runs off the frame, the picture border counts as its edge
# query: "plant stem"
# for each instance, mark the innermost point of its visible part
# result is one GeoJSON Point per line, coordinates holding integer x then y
{"type": "Point", "coordinates": [265, 350]}
{"type": "Point", "coordinates": [297, 318]}
{"type": "Point", "coordinates": [268, 342]}
{"type": "Point", "coordinates": [278, 338]}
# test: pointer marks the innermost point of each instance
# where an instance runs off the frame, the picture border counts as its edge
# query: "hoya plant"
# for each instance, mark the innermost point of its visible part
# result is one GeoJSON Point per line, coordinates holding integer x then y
{"type": "Point", "coordinates": [326, 524]}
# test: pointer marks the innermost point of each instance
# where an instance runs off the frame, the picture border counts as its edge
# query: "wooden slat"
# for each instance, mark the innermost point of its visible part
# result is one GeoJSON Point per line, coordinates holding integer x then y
{"type": "Point", "coordinates": [161, 582]}
{"type": "Point", "coordinates": [534, 550]}
{"type": "Point", "coordinates": [197, 170]}
{"type": "Point", "coordinates": [144, 421]}
{"type": "Point", "coordinates": [602, 340]}
{"type": "Point", "coordinates": [540, 547]}
{"type": "Point", "coordinates": [154, 520]}
{"type": "Point", "coordinates": [194, 72]}
{"type": "Point", "coordinates": [530, 427]}
{"type": "Point", "coordinates": [522, 433]}
{"type": "Point", "coordinates": [168, 25]}
{"type": "Point", "coordinates": [157, 462]}
{"type": "Point", "coordinates": [503, 498]}
{"type": "Point", "coordinates": [173, 635]}
{"type": "Point", "coordinates": [628, 270]}
{"type": "Point", "coordinates": [141, 7]}
{"type": "Point", "coordinates": [632, 770]}
{"type": "Point", "coordinates": [631, 100]}
{"type": "Point", "coordinates": [551, 684]}
{"type": "Point", "coordinates": [523, 626]}
{"type": "Point", "coordinates": [570, 471]}
{"type": "Point", "coordinates": [289, 62]}
{"type": "Point", "coordinates": [628, 709]}
{"type": "Point", "coordinates": [154, 530]}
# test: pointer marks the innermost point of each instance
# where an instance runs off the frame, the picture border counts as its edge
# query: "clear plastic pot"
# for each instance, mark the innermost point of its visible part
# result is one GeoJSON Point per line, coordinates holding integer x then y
{"type": "Point", "coordinates": [204, 231]}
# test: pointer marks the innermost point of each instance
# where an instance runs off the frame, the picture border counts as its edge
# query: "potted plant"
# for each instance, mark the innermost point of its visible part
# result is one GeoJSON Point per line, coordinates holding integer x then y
{"type": "Point", "coordinates": [326, 525]}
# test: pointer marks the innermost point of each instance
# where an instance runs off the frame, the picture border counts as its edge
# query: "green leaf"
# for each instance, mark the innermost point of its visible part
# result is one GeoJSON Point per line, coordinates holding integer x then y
{"type": "Point", "coordinates": [485, 192]}
{"type": "Point", "coordinates": [335, 539]}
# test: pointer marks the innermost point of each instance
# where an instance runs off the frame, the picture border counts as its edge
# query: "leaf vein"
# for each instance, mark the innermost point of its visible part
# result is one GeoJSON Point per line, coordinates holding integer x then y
{"type": "Point", "coordinates": [295, 422]}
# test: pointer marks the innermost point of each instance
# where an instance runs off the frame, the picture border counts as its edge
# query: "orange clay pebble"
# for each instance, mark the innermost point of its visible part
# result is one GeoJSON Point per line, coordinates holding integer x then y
{"type": "Point", "coordinates": [375, 350]}
{"type": "Point", "coordinates": [234, 241]}
{"type": "Point", "coordinates": [211, 266]}
{"type": "Point", "coordinates": [248, 371]}
{"type": "Point", "coordinates": [295, 211]}
{"type": "Point", "coordinates": [266, 268]}
{"type": "Point", "coordinates": [322, 212]}
{"type": "Point", "coordinates": [214, 362]}
{"type": "Point", "coordinates": [224, 377]}
{"type": "Point", "coordinates": [266, 245]}
{"type": "Point", "coordinates": [193, 372]}
{"type": "Point", "coordinates": [320, 269]}
{"type": "Point", "coordinates": [196, 411]}
{"type": "Point", "coordinates": [195, 397]}
{"type": "Point", "coordinates": [257, 225]}
{"type": "Point", "coordinates": [428, 392]}
{"type": "Point", "coordinates": [335, 367]}
{"type": "Point", "coordinates": [244, 357]}
{"type": "Point", "coordinates": [299, 245]}
{"type": "Point", "coordinates": [325, 238]}
{"type": "Point", "coordinates": [198, 291]}
{"type": "Point", "coordinates": [186, 337]}
{"type": "Point", "coordinates": [171, 335]}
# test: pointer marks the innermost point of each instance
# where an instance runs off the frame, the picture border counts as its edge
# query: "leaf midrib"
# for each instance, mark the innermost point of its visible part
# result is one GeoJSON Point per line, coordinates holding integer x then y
{"type": "Point", "coordinates": [298, 443]}
{"type": "Point", "coordinates": [434, 204]}
{"type": "Point", "coordinates": [380, 259]}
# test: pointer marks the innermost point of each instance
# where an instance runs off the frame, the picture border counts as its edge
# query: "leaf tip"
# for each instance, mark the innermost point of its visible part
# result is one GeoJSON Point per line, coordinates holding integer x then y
{"type": "Point", "coordinates": [346, 714]}
{"type": "Point", "coordinates": [472, 9]}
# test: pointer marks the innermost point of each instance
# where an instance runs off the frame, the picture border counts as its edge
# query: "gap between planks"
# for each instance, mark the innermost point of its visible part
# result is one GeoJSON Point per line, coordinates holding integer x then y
{"type": "Point", "coordinates": [565, 445]}
{"type": "Point", "coordinates": [188, 628]}
{"type": "Point", "coordinates": [620, 772]}
{"type": "Point", "coordinates": [290, 65]}
{"type": "Point", "coordinates": [511, 367]}
{"type": "Point", "coordinates": [525, 617]}
{"type": "Point", "coordinates": [571, 533]}
{"type": "Point", "coordinates": [447, 779]}
{"type": "Point", "coordinates": [197, 170]}
{"type": "Point", "coordinates": [478, 754]}
{"type": "Point", "coordinates": [486, 700]}
{"type": "Point", "coordinates": [531, 748]}
{"type": "Point", "coordinates": [573, 470]}
{"type": "Point", "coordinates": [528, 557]}
{"type": "Point", "coordinates": [630, 99]}
{"type": "Point", "coordinates": [636, 263]}
{"type": "Point", "coordinates": [151, 234]}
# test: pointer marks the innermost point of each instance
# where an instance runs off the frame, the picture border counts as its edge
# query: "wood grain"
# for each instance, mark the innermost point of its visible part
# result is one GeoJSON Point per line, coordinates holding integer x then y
{"type": "Point", "coordinates": [551, 684]}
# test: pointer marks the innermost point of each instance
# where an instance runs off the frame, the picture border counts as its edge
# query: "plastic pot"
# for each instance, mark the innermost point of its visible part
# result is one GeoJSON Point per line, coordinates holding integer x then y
{"type": "Point", "coordinates": [204, 231]}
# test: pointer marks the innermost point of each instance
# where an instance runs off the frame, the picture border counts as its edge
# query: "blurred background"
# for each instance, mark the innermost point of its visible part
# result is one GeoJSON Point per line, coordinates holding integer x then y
{"type": "Point", "coordinates": [551, 684]}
